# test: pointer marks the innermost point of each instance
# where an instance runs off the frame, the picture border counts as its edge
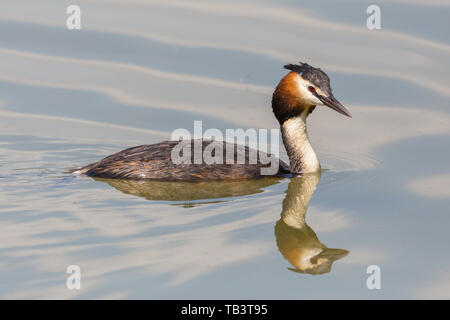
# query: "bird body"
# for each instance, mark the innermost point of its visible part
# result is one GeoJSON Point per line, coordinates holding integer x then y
{"type": "Point", "coordinates": [154, 162]}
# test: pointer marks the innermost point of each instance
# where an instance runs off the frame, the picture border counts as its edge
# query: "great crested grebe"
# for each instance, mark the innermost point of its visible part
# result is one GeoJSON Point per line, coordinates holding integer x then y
{"type": "Point", "coordinates": [295, 97]}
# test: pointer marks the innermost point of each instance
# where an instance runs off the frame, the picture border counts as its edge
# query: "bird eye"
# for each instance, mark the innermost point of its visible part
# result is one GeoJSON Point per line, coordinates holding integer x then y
{"type": "Point", "coordinates": [311, 89]}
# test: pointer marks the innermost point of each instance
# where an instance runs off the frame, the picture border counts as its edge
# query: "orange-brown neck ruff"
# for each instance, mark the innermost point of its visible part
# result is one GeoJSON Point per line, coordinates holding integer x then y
{"type": "Point", "coordinates": [286, 100]}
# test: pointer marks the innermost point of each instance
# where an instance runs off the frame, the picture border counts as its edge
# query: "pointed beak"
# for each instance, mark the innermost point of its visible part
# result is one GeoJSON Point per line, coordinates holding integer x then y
{"type": "Point", "coordinates": [334, 104]}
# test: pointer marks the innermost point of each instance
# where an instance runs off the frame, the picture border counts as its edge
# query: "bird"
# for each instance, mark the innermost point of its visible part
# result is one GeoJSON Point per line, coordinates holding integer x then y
{"type": "Point", "coordinates": [295, 97]}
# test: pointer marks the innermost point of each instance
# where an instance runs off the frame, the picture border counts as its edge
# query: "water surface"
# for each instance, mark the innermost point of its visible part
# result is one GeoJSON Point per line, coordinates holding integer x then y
{"type": "Point", "coordinates": [139, 69]}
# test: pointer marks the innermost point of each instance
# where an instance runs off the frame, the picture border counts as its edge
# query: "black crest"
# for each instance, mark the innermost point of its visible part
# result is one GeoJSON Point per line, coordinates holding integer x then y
{"type": "Point", "coordinates": [314, 75]}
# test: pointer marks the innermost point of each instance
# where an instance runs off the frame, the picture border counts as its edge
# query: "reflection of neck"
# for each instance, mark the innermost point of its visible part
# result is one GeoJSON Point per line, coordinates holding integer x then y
{"type": "Point", "coordinates": [295, 203]}
{"type": "Point", "coordinates": [302, 157]}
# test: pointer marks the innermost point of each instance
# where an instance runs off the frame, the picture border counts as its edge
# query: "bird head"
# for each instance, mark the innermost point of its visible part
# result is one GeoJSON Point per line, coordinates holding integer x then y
{"type": "Point", "coordinates": [301, 90]}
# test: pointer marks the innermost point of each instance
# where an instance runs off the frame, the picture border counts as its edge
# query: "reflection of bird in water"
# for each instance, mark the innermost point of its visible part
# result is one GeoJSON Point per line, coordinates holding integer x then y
{"type": "Point", "coordinates": [297, 242]}
{"type": "Point", "coordinates": [294, 99]}
{"type": "Point", "coordinates": [189, 191]}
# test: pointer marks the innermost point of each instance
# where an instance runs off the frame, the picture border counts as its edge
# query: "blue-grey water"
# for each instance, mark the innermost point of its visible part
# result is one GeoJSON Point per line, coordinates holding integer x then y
{"type": "Point", "coordinates": [139, 69]}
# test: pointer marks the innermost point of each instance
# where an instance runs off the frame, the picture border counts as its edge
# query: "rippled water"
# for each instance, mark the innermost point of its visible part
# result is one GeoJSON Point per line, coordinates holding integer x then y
{"type": "Point", "coordinates": [139, 69]}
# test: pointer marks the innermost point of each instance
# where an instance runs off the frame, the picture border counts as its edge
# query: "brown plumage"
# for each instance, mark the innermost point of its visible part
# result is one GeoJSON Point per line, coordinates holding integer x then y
{"type": "Point", "coordinates": [286, 101]}
{"type": "Point", "coordinates": [155, 162]}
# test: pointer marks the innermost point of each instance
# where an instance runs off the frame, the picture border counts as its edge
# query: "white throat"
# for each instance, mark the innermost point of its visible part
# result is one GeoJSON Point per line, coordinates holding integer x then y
{"type": "Point", "coordinates": [302, 157]}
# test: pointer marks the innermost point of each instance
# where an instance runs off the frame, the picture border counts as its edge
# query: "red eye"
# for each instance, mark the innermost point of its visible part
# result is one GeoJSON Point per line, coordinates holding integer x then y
{"type": "Point", "coordinates": [311, 89]}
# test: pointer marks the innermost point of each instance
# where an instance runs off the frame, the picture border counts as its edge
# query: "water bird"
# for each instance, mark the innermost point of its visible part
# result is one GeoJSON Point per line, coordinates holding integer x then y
{"type": "Point", "coordinates": [294, 99]}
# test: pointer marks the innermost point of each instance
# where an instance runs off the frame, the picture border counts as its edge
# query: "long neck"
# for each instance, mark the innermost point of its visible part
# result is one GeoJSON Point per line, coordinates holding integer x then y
{"type": "Point", "coordinates": [301, 155]}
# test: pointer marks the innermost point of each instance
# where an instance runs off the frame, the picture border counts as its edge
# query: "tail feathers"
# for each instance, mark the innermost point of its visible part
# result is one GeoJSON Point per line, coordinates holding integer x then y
{"type": "Point", "coordinates": [79, 171]}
